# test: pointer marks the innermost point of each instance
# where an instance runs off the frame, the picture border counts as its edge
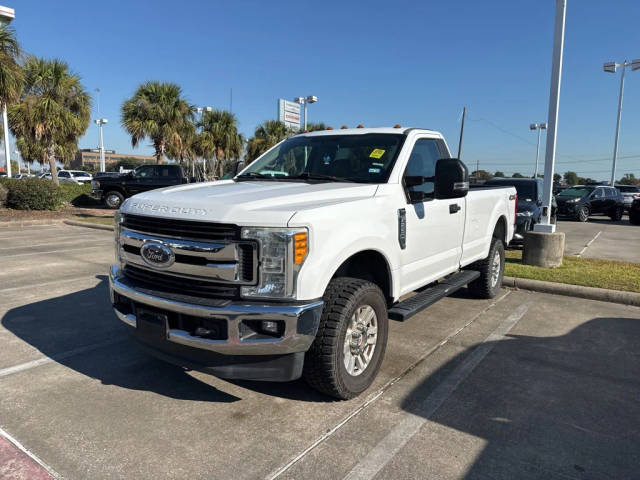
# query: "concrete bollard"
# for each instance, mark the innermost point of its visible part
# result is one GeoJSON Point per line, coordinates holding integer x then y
{"type": "Point", "coordinates": [543, 249]}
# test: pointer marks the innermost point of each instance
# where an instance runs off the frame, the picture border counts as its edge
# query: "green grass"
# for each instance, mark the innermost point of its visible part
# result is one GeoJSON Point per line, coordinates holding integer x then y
{"type": "Point", "coordinates": [588, 272]}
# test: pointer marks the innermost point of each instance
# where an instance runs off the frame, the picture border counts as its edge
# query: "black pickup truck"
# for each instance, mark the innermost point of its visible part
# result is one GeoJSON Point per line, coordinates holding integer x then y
{"type": "Point", "coordinates": [113, 190]}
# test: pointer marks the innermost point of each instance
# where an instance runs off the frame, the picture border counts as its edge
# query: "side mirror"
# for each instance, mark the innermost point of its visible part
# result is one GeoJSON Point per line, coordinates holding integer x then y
{"type": "Point", "coordinates": [414, 180]}
{"type": "Point", "coordinates": [416, 196]}
{"type": "Point", "coordinates": [452, 179]}
{"type": "Point", "coordinates": [238, 167]}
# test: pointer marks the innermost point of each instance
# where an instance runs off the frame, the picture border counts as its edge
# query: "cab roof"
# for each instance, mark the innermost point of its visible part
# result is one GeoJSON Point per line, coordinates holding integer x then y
{"type": "Point", "coordinates": [363, 131]}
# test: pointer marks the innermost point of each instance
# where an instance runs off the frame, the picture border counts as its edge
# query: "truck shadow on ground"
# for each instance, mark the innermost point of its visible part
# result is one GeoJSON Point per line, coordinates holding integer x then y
{"type": "Point", "coordinates": [58, 326]}
{"type": "Point", "coordinates": [544, 407]}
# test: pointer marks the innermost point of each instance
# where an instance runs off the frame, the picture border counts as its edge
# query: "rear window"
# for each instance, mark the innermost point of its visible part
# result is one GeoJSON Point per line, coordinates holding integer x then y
{"type": "Point", "coordinates": [576, 192]}
{"type": "Point", "coordinates": [628, 189]}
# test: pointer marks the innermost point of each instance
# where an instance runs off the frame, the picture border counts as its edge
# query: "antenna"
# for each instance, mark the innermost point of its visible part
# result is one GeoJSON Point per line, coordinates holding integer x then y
{"type": "Point", "coordinates": [464, 114]}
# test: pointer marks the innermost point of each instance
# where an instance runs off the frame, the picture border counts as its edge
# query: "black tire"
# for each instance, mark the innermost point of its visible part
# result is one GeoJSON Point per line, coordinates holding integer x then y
{"type": "Point", "coordinates": [634, 218]}
{"type": "Point", "coordinates": [324, 365]}
{"type": "Point", "coordinates": [583, 214]}
{"type": "Point", "coordinates": [616, 214]}
{"type": "Point", "coordinates": [485, 286]}
{"type": "Point", "coordinates": [113, 199]}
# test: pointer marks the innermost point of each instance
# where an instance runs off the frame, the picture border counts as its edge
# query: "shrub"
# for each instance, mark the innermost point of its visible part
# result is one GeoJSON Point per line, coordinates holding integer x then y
{"type": "Point", "coordinates": [32, 194]}
{"type": "Point", "coordinates": [77, 193]}
{"type": "Point", "coordinates": [3, 195]}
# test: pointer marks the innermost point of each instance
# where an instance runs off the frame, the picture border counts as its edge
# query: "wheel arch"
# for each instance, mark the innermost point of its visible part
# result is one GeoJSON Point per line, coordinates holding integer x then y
{"type": "Point", "coordinates": [369, 265]}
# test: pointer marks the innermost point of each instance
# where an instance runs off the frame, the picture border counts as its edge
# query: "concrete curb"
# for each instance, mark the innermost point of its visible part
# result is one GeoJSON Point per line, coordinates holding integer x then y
{"type": "Point", "coordinates": [97, 226]}
{"type": "Point", "coordinates": [30, 223]}
{"type": "Point", "coordinates": [590, 293]}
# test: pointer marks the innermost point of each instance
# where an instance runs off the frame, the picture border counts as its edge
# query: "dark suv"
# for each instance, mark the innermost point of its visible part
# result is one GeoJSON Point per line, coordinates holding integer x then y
{"type": "Point", "coordinates": [529, 203]}
{"type": "Point", "coordinates": [581, 201]}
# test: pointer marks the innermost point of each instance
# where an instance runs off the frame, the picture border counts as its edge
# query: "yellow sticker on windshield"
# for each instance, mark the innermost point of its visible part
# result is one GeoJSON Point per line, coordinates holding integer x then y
{"type": "Point", "coordinates": [377, 153]}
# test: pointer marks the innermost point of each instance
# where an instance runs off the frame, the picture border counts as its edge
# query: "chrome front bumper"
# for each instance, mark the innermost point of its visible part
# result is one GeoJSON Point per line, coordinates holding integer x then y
{"type": "Point", "coordinates": [301, 321]}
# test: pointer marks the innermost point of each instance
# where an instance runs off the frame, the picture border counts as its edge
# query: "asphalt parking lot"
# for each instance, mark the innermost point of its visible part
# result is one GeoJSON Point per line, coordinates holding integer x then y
{"type": "Point", "coordinates": [601, 237]}
{"type": "Point", "coordinates": [524, 386]}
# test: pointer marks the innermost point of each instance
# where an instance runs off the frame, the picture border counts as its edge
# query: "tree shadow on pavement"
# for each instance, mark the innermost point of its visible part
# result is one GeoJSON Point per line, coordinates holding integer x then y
{"type": "Point", "coordinates": [80, 331]}
{"type": "Point", "coordinates": [547, 407]}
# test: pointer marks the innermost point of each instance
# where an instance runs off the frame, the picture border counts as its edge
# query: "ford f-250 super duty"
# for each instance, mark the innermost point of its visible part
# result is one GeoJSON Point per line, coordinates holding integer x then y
{"type": "Point", "coordinates": [293, 267]}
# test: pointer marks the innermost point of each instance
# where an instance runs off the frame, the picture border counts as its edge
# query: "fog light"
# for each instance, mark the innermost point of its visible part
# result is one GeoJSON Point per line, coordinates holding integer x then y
{"type": "Point", "coordinates": [269, 326]}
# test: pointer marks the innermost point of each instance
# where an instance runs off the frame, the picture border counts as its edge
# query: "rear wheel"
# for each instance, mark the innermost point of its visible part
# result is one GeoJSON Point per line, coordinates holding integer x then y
{"type": "Point", "coordinates": [491, 272]}
{"type": "Point", "coordinates": [616, 214]}
{"type": "Point", "coordinates": [113, 199]}
{"type": "Point", "coordinates": [583, 214]}
{"type": "Point", "coordinates": [346, 354]}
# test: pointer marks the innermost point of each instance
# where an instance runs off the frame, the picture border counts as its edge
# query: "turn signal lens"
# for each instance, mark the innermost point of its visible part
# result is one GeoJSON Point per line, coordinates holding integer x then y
{"type": "Point", "coordinates": [300, 247]}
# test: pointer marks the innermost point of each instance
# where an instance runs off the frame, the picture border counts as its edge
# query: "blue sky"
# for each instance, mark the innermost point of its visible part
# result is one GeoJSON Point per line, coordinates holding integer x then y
{"type": "Point", "coordinates": [376, 63]}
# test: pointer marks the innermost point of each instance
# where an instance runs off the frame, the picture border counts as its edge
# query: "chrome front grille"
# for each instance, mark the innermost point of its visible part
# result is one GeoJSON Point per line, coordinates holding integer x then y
{"type": "Point", "coordinates": [210, 268]}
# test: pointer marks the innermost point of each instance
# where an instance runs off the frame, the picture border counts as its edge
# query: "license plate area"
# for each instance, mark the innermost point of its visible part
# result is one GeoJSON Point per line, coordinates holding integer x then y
{"type": "Point", "coordinates": [151, 324]}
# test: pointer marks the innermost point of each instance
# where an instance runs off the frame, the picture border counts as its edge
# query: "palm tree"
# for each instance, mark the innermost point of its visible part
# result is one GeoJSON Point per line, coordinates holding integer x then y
{"type": "Point", "coordinates": [219, 138]}
{"type": "Point", "coordinates": [11, 74]}
{"type": "Point", "coordinates": [52, 113]}
{"type": "Point", "coordinates": [312, 127]}
{"type": "Point", "coordinates": [159, 112]}
{"type": "Point", "coordinates": [266, 136]}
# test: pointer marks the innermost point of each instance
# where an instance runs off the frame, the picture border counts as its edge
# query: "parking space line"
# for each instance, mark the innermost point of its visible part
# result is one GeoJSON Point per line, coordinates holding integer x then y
{"type": "Point", "coordinates": [54, 358]}
{"type": "Point", "coordinates": [372, 398]}
{"type": "Point", "coordinates": [57, 241]}
{"type": "Point", "coordinates": [44, 284]}
{"type": "Point", "coordinates": [390, 445]}
{"type": "Point", "coordinates": [589, 243]}
{"type": "Point", "coordinates": [60, 251]}
{"type": "Point", "coordinates": [31, 455]}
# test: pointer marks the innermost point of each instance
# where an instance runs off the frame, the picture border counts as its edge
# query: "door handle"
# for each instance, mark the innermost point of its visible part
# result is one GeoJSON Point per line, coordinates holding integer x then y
{"type": "Point", "coordinates": [454, 208]}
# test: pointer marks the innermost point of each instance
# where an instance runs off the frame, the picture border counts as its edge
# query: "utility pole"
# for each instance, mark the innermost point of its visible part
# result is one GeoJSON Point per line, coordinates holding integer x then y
{"type": "Point", "coordinates": [100, 122]}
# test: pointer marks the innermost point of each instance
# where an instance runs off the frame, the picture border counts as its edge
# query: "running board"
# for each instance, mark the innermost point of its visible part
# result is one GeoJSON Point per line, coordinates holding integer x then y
{"type": "Point", "coordinates": [408, 308]}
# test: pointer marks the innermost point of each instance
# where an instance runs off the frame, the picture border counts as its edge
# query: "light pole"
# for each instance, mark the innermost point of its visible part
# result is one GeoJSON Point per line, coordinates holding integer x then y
{"type": "Point", "coordinates": [201, 110]}
{"type": "Point", "coordinates": [100, 122]}
{"type": "Point", "coordinates": [6, 16]}
{"type": "Point", "coordinates": [612, 67]}
{"type": "Point", "coordinates": [304, 101]}
{"type": "Point", "coordinates": [539, 127]}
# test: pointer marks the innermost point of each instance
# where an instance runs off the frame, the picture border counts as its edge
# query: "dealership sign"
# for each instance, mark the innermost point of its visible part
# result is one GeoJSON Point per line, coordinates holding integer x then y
{"type": "Point", "coordinates": [289, 113]}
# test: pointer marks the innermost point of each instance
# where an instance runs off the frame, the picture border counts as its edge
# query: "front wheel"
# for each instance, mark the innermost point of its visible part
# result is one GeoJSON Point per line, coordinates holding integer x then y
{"type": "Point", "coordinates": [583, 214]}
{"type": "Point", "coordinates": [346, 354]}
{"type": "Point", "coordinates": [113, 199]}
{"type": "Point", "coordinates": [491, 272]}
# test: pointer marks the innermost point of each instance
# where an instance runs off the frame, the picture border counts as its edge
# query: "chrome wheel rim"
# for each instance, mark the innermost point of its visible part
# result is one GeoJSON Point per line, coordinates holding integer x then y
{"type": "Point", "coordinates": [360, 340]}
{"type": "Point", "coordinates": [495, 268]}
{"type": "Point", "coordinates": [113, 200]}
{"type": "Point", "coordinates": [583, 213]}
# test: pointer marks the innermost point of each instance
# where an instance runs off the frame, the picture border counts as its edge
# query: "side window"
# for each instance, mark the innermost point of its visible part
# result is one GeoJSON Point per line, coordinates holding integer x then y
{"type": "Point", "coordinates": [422, 162]}
{"type": "Point", "coordinates": [145, 172]}
{"type": "Point", "coordinates": [163, 171]}
{"type": "Point", "coordinates": [63, 174]}
{"type": "Point", "coordinates": [610, 192]}
{"type": "Point", "coordinates": [598, 193]}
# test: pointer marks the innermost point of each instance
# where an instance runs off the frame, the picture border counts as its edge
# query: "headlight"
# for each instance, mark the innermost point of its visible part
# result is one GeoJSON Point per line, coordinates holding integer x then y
{"type": "Point", "coordinates": [526, 213]}
{"type": "Point", "coordinates": [95, 184]}
{"type": "Point", "coordinates": [573, 200]}
{"type": "Point", "coordinates": [118, 218]}
{"type": "Point", "coordinates": [282, 251]}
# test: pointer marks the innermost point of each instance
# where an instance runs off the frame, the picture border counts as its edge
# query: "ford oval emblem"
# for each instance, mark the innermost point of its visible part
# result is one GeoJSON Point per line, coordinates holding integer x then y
{"type": "Point", "coordinates": [157, 255]}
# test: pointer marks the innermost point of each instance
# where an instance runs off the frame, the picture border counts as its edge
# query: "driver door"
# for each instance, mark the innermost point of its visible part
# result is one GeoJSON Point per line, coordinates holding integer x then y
{"type": "Point", "coordinates": [434, 227]}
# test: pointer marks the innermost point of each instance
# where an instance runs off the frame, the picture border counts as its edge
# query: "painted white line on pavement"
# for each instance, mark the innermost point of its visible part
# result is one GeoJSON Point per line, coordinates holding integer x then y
{"type": "Point", "coordinates": [31, 455]}
{"type": "Point", "coordinates": [60, 251]}
{"type": "Point", "coordinates": [589, 244]}
{"type": "Point", "coordinates": [390, 445]}
{"type": "Point", "coordinates": [57, 241]}
{"type": "Point", "coordinates": [45, 284]}
{"type": "Point", "coordinates": [54, 358]}
{"type": "Point", "coordinates": [381, 391]}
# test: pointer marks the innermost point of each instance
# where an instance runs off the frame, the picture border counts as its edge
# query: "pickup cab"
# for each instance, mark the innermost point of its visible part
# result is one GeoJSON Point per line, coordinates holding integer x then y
{"type": "Point", "coordinates": [295, 266]}
{"type": "Point", "coordinates": [112, 191]}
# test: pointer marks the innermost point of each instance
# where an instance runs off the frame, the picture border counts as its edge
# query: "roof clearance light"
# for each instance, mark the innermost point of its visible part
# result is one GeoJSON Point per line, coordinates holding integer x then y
{"type": "Point", "coordinates": [329, 128]}
{"type": "Point", "coordinates": [360, 126]}
{"type": "Point", "coordinates": [343, 127]}
{"type": "Point", "coordinates": [397, 125]}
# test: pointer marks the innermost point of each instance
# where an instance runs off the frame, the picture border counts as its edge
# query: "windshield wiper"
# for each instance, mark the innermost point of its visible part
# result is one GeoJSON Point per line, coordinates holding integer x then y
{"type": "Point", "coordinates": [319, 176]}
{"type": "Point", "coordinates": [255, 175]}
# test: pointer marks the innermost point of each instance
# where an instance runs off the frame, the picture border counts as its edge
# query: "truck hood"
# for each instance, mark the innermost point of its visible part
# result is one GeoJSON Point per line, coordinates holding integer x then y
{"type": "Point", "coordinates": [250, 203]}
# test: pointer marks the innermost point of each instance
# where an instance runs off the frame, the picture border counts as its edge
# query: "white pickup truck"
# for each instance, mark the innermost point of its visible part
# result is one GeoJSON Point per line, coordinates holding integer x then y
{"type": "Point", "coordinates": [293, 267]}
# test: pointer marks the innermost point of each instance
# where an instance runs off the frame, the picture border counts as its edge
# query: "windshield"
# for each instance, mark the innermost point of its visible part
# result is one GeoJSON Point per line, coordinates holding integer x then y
{"type": "Point", "coordinates": [576, 192]}
{"type": "Point", "coordinates": [365, 158]}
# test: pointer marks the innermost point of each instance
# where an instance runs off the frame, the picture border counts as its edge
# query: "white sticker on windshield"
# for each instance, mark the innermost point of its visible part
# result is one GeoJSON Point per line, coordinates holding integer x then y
{"type": "Point", "coordinates": [374, 170]}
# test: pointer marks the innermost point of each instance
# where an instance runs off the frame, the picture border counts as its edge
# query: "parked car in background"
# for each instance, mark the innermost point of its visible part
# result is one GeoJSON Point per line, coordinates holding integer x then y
{"type": "Point", "coordinates": [3, 175]}
{"type": "Point", "coordinates": [634, 212]}
{"type": "Point", "coordinates": [21, 175]}
{"type": "Point", "coordinates": [81, 176]}
{"type": "Point", "coordinates": [629, 193]}
{"type": "Point", "coordinates": [581, 201]}
{"type": "Point", "coordinates": [529, 210]}
{"type": "Point", "coordinates": [113, 190]}
{"type": "Point", "coordinates": [70, 176]}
